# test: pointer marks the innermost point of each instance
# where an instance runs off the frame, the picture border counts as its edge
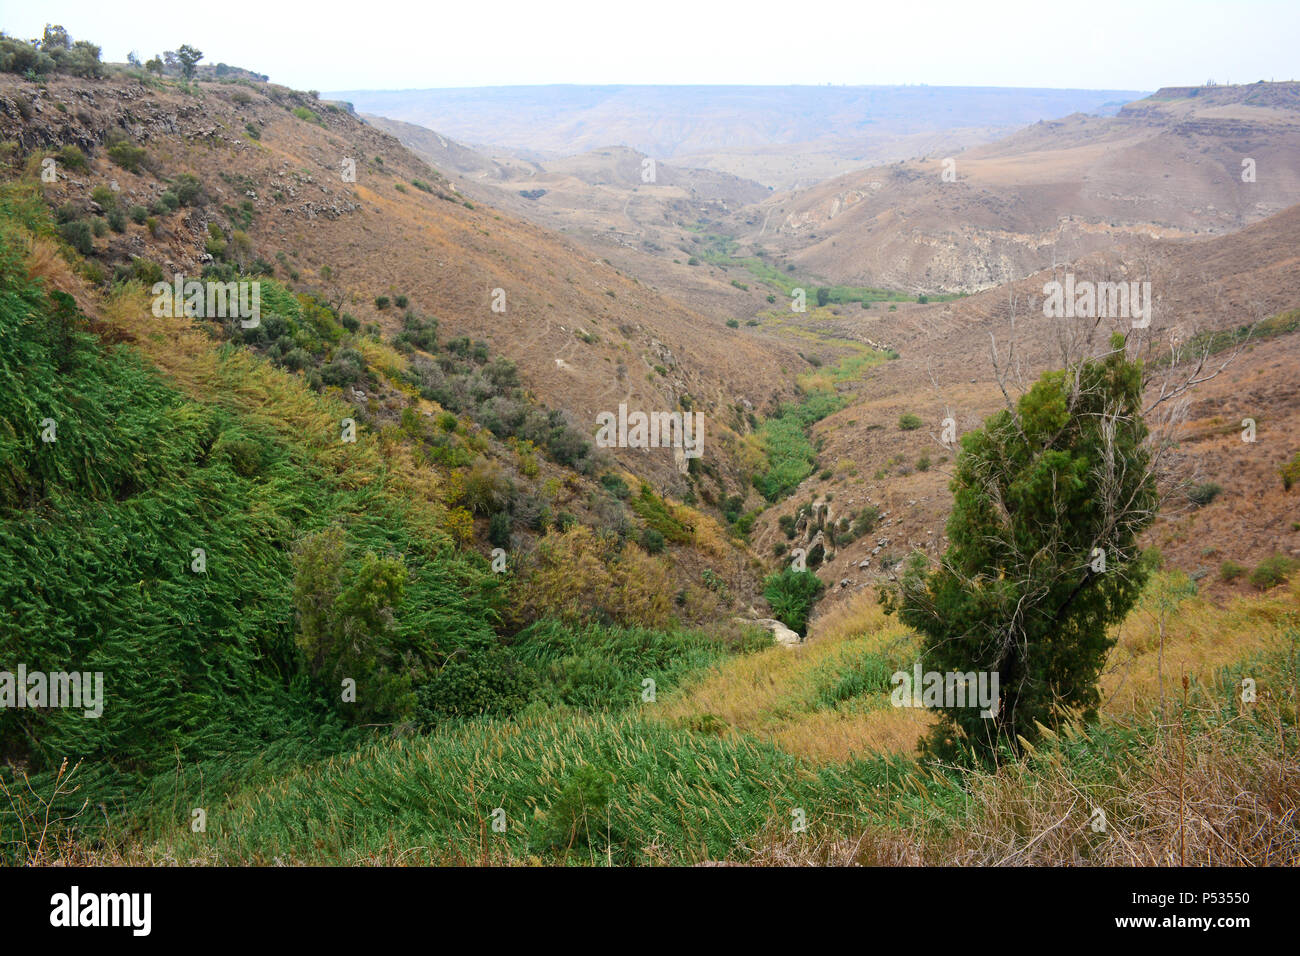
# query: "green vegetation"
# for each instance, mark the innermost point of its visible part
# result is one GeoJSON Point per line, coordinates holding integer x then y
{"type": "Point", "coordinates": [719, 250]}
{"type": "Point", "coordinates": [1290, 472]}
{"type": "Point", "coordinates": [605, 668]}
{"type": "Point", "coordinates": [1230, 571]}
{"type": "Point", "coordinates": [152, 495]}
{"type": "Point", "coordinates": [1213, 342]}
{"type": "Point", "coordinates": [127, 155]}
{"type": "Point", "coordinates": [657, 515]}
{"type": "Point", "coordinates": [791, 595]}
{"type": "Point", "coordinates": [790, 454]}
{"type": "Point", "coordinates": [1033, 508]}
{"type": "Point", "coordinates": [1272, 571]}
{"type": "Point", "coordinates": [54, 52]}
{"type": "Point", "coordinates": [462, 376]}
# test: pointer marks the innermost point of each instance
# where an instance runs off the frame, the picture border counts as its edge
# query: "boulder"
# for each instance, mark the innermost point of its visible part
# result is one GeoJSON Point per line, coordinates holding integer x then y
{"type": "Point", "coordinates": [780, 633]}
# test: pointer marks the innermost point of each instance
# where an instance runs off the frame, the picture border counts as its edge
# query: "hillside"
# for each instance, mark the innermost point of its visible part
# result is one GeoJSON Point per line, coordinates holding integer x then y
{"type": "Point", "coordinates": [602, 199]}
{"type": "Point", "coordinates": [570, 321]}
{"type": "Point", "coordinates": [335, 530]}
{"type": "Point", "coordinates": [1205, 289]}
{"type": "Point", "coordinates": [1170, 165]}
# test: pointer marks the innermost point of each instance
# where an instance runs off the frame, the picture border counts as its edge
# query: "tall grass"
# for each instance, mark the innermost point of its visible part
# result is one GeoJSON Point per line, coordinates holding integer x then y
{"type": "Point", "coordinates": [99, 532]}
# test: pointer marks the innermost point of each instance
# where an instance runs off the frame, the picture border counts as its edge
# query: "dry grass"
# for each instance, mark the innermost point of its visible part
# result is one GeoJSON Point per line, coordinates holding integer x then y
{"type": "Point", "coordinates": [772, 695]}
{"type": "Point", "coordinates": [1198, 639]}
{"type": "Point", "coordinates": [1200, 794]}
{"type": "Point", "coordinates": [46, 262]}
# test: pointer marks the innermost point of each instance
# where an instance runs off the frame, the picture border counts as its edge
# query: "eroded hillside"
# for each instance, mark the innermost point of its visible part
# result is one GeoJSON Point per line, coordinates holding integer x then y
{"type": "Point", "coordinates": [1179, 163]}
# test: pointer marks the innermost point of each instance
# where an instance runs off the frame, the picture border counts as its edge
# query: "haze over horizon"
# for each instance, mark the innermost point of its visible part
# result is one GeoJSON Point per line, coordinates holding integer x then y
{"type": "Point", "coordinates": [1119, 46]}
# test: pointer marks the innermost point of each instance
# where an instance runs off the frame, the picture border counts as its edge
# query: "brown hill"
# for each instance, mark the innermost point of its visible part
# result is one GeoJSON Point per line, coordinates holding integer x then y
{"type": "Point", "coordinates": [946, 369]}
{"type": "Point", "coordinates": [1170, 165]}
{"type": "Point", "coordinates": [602, 200]}
{"type": "Point", "coordinates": [585, 336]}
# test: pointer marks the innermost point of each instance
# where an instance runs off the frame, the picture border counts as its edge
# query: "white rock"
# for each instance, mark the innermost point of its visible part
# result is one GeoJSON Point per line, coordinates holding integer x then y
{"type": "Point", "coordinates": [780, 633]}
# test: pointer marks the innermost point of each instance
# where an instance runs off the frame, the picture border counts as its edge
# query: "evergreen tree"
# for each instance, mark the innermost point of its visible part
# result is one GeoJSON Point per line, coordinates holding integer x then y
{"type": "Point", "coordinates": [1049, 500]}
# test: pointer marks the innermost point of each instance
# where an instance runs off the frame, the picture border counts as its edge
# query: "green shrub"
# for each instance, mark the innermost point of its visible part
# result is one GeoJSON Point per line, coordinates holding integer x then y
{"type": "Point", "coordinates": [104, 196]}
{"type": "Point", "coordinates": [616, 486]}
{"type": "Point", "coordinates": [476, 678]}
{"type": "Point", "coordinates": [347, 628]}
{"type": "Point", "coordinates": [1271, 572]}
{"type": "Point", "coordinates": [487, 490]}
{"type": "Point", "coordinates": [652, 541]}
{"type": "Point", "coordinates": [189, 191]}
{"type": "Point", "coordinates": [578, 817]}
{"type": "Point", "coordinates": [347, 368]}
{"type": "Point", "coordinates": [72, 157]}
{"type": "Point", "coordinates": [791, 595]}
{"type": "Point", "coordinates": [1202, 494]}
{"type": "Point", "coordinates": [865, 521]}
{"type": "Point", "coordinates": [654, 511]}
{"type": "Point", "coordinates": [499, 530]}
{"type": "Point", "coordinates": [1290, 472]}
{"type": "Point", "coordinates": [79, 235]}
{"type": "Point", "coordinates": [1230, 571]}
{"type": "Point", "coordinates": [127, 155]}
{"type": "Point", "coordinates": [909, 422]}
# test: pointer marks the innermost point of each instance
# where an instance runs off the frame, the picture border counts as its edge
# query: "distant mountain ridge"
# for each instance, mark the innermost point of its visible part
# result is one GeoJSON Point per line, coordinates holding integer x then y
{"type": "Point", "coordinates": [675, 121]}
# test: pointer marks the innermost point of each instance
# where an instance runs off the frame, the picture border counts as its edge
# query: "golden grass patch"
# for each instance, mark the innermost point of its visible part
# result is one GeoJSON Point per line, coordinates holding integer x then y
{"type": "Point", "coordinates": [773, 694]}
{"type": "Point", "coordinates": [1198, 639]}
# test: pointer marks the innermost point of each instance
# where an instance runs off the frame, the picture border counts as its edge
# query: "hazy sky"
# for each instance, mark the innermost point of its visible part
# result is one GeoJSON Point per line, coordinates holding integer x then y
{"type": "Point", "coordinates": [385, 44]}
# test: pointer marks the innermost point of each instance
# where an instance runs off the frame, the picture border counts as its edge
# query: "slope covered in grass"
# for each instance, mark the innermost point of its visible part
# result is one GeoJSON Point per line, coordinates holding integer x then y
{"type": "Point", "coordinates": [101, 529]}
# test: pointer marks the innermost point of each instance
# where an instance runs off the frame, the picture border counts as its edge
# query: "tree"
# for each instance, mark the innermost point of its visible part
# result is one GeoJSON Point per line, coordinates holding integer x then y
{"type": "Point", "coordinates": [189, 58]}
{"type": "Point", "coordinates": [55, 39]}
{"type": "Point", "coordinates": [347, 626]}
{"type": "Point", "coordinates": [154, 65]}
{"type": "Point", "coordinates": [1050, 496]}
{"type": "Point", "coordinates": [83, 60]}
{"type": "Point", "coordinates": [823, 296]}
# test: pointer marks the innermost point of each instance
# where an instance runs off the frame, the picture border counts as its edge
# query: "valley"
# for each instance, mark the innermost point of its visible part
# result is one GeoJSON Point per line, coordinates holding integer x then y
{"type": "Point", "coordinates": [599, 457]}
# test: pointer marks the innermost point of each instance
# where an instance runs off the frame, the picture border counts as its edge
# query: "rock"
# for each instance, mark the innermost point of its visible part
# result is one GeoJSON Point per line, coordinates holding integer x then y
{"type": "Point", "coordinates": [780, 633]}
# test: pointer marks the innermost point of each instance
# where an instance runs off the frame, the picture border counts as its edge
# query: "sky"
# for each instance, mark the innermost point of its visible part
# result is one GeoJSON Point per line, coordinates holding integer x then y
{"type": "Point", "coordinates": [406, 44]}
